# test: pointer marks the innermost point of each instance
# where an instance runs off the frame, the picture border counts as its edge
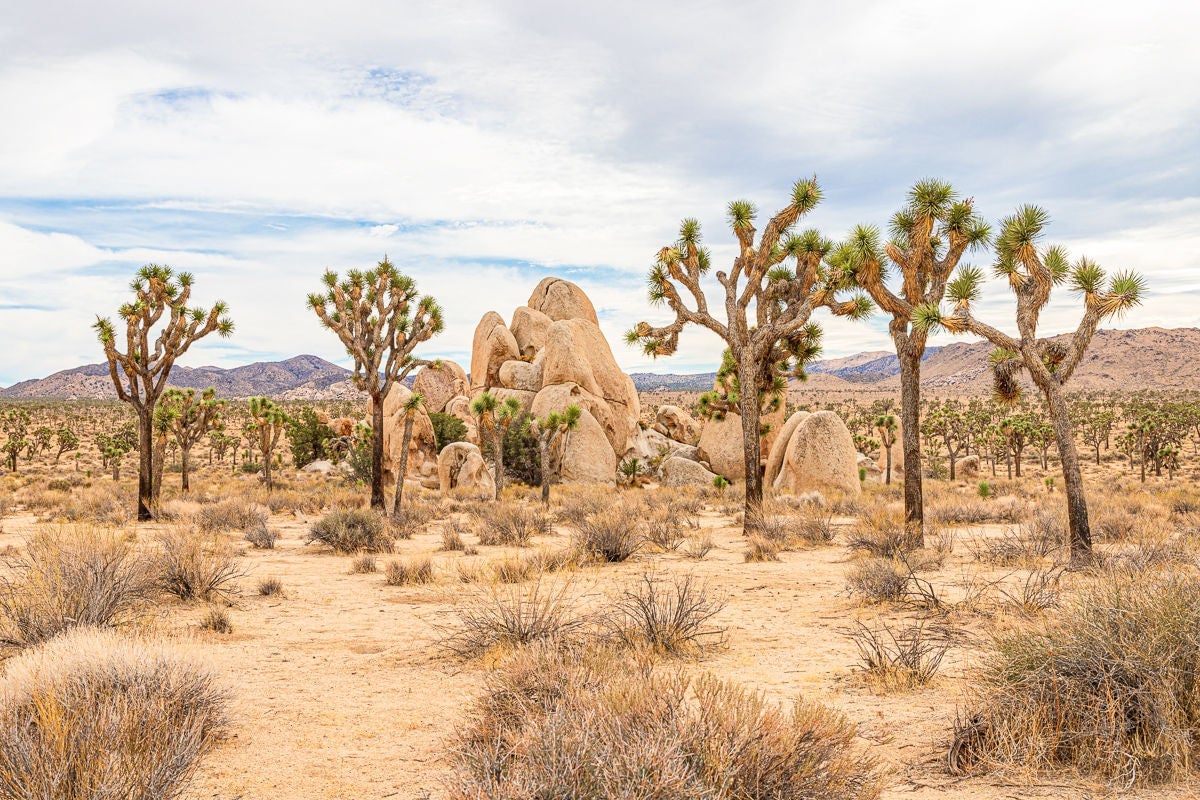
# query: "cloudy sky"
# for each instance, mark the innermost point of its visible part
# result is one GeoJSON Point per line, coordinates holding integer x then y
{"type": "Point", "coordinates": [485, 145]}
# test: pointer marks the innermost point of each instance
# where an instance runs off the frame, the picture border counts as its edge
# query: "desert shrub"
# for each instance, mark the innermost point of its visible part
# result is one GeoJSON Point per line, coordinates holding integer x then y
{"type": "Point", "coordinates": [230, 515]}
{"type": "Point", "coordinates": [93, 715]}
{"type": "Point", "coordinates": [261, 537]}
{"type": "Point", "coordinates": [504, 617]}
{"type": "Point", "coordinates": [963, 511]}
{"type": "Point", "coordinates": [412, 518]}
{"type": "Point", "coordinates": [193, 566]}
{"type": "Point", "coordinates": [270, 586]}
{"type": "Point", "coordinates": [1039, 591]}
{"type": "Point", "coordinates": [447, 429]}
{"type": "Point", "coordinates": [104, 504]}
{"type": "Point", "coordinates": [217, 620]}
{"type": "Point", "coordinates": [353, 531]}
{"type": "Point", "coordinates": [882, 534]}
{"type": "Point", "coordinates": [363, 564]}
{"type": "Point", "coordinates": [452, 539]}
{"type": "Point", "coordinates": [409, 571]}
{"type": "Point", "coordinates": [612, 534]}
{"type": "Point", "coordinates": [760, 548]}
{"type": "Point", "coordinates": [307, 436]}
{"type": "Point", "coordinates": [984, 489]}
{"type": "Point", "coordinates": [1106, 685]}
{"type": "Point", "coordinates": [877, 580]}
{"type": "Point", "coordinates": [896, 659]}
{"type": "Point", "coordinates": [597, 725]}
{"type": "Point", "coordinates": [698, 545]}
{"type": "Point", "coordinates": [668, 614]}
{"type": "Point", "coordinates": [58, 485]}
{"type": "Point", "coordinates": [511, 525]}
{"type": "Point", "coordinates": [1040, 538]}
{"type": "Point", "coordinates": [664, 532]}
{"type": "Point", "coordinates": [69, 577]}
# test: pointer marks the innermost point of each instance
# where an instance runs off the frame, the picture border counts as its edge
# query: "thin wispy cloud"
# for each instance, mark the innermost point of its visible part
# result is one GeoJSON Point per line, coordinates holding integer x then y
{"type": "Point", "coordinates": [484, 145]}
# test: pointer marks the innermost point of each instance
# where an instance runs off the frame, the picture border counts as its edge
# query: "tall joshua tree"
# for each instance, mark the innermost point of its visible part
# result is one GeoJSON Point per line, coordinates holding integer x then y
{"type": "Point", "coordinates": [885, 424]}
{"type": "Point", "coordinates": [1032, 271]}
{"type": "Point", "coordinates": [929, 236]}
{"type": "Point", "coordinates": [552, 429]}
{"type": "Point", "coordinates": [191, 418]}
{"type": "Point", "coordinates": [380, 318]}
{"type": "Point", "coordinates": [415, 403]}
{"type": "Point", "coordinates": [266, 425]}
{"type": "Point", "coordinates": [139, 369]}
{"type": "Point", "coordinates": [768, 304]}
{"type": "Point", "coordinates": [496, 416]}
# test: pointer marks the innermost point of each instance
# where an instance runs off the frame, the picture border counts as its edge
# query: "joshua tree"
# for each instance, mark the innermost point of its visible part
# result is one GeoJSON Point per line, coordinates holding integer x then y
{"type": "Point", "coordinates": [767, 309]}
{"type": "Point", "coordinates": [885, 424]}
{"type": "Point", "coordinates": [929, 236]}
{"type": "Point", "coordinates": [189, 419]}
{"type": "Point", "coordinates": [946, 423]}
{"type": "Point", "coordinates": [496, 416]}
{"type": "Point", "coordinates": [553, 429]}
{"type": "Point", "coordinates": [1032, 271]}
{"type": "Point", "coordinates": [66, 440]}
{"type": "Point", "coordinates": [380, 318]}
{"type": "Point", "coordinates": [266, 425]}
{"type": "Point", "coordinates": [140, 369]}
{"type": "Point", "coordinates": [16, 428]}
{"type": "Point", "coordinates": [42, 435]}
{"type": "Point", "coordinates": [416, 402]}
{"type": "Point", "coordinates": [219, 443]}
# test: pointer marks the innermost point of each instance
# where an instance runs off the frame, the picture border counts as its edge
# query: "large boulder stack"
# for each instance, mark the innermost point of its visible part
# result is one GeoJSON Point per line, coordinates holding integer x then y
{"type": "Point", "coordinates": [819, 454]}
{"type": "Point", "coordinates": [721, 443]}
{"type": "Point", "coordinates": [554, 354]}
{"type": "Point", "coordinates": [461, 466]}
{"type": "Point", "coordinates": [675, 423]}
{"type": "Point", "coordinates": [441, 383]}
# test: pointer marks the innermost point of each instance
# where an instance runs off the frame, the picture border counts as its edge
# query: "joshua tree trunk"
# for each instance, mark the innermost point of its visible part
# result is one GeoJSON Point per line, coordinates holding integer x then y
{"type": "Point", "coordinates": [1077, 512]}
{"type": "Point", "coordinates": [267, 470]}
{"type": "Point", "coordinates": [377, 454]}
{"type": "Point", "coordinates": [887, 478]}
{"type": "Point", "coordinates": [404, 440]}
{"type": "Point", "coordinates": [184, 456]}
{"type": "Point", "coordinates": [498, 458]}
{"type": "Point", "coordinates": [909, 351]}
{"type": "Point", "coordinates": [748, 406]}
{"type": "Point", "coordinates": [145, 503]}
{"type": "Point", "coordinates": [544, 454]}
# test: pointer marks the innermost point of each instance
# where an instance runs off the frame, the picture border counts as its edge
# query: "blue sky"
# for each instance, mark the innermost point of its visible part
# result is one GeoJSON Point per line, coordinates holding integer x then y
{"type": "Point", "coordinates": [485, 145]}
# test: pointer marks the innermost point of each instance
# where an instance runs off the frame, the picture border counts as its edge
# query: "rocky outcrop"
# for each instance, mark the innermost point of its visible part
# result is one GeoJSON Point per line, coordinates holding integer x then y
{"type": "Point", "coordinates": [819, 455]}
{"type": "Point", "coordinates": [675, 423]}
{"type": "Point", "coordinates": [422, 447]}
{"type": "Point", "coordinates": [779, 447]}
{"type": "Point", "coordinates": [870, 469]}
{"type": "Point", "coordinates": [460, 465]}
{"type": "Point", "coordinates": [968, 468]}
{"type": "Point", "coordinates": [677, 472]}
{"type": "Point", "coordinates": [492, 346]}
{"type": "Point", "coordinates": [559, 299]}
{"type": "Point", "coordinates": [438, 384]}
{"type": "Point", "coordinates": [529, 328]}
{"type": "Point", "coordinates": [721, 443]}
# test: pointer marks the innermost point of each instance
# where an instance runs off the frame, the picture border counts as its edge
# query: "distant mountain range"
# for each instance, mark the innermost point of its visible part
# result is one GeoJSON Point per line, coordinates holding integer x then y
{"type": "Point", "coordinates": [1144, 358]}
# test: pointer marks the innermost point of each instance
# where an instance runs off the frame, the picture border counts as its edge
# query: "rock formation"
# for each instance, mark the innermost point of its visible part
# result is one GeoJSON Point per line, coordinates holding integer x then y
{"type": "Point", "coordinates": [460, 465]}
{"type": "Point", "coordinates": [439, 384]}
{"type": "Point", "coordinates": [422, 447]}
{"type": "Point", "coordinates": [721, 443]}
{"type": "Point", "coordinates": [675, 423]}
{"type": "Point", "coordinates": [968, 468]}
{"type": "Point", "coordinates": [819, 454]}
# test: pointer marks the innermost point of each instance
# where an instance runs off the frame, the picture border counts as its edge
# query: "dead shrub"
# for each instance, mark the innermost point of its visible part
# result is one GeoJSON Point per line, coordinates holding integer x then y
{"type": "Point", "coordinates": [504, 617]}
{"type": "Point", "coordinates": [664, 532]}
{"type": "Point", "coordinates": [597, 725]}
{"type": "Point", "coordinates": [897, 659]}
{"type": "Point", "coordinates": [192, 566]}
{"type": "Point", "coordinates": [452, 540]}
{"type": "Point", "coordinates": [236, 514]}
{"type": "Point", "coordinates": [103, 504]}
{"type": "Point", "coordinates": [94, 715]}
{"type": "Point", "coordinates": [1107, 685]}
{"type": "Point", "coordinates": [882, 534]}
{"type": "Point", "coordinates": [261, 537]}
{"type": "Point", "coordinates": [669, 614]}
{"type": "Point", "coordinates": [877, 580]}
{"type": "Point", "coordinates": [511, 525]}
{"type": "Point", "coordinates": [412, 518]}
{"type": "Point", "coordinates": [697, 546]}
{"type": "Point", "coordinates": [612, 534]}
{"type": "Point", "coordinates": [70, 577]}
{"type": "Point", "coordinates": [353, 531]}
{"type": "Point", "coordinates": [1040, 591]}
{"type": "Point", "coordinates": [270, 586]}
{"type": "Point", "coordinates": [217, 620]}
{"type": "Point", "coordinates": [409, 571]}
{"type": "Point", "coordinates": [363, 565]}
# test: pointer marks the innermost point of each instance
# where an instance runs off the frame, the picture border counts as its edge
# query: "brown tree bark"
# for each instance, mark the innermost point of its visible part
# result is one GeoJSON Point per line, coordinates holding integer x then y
{"type": "Point", "coordinates": [909, 352]}
{"type": "Point", "coordinates": [750, 412]}
{"type": "Point", "coordinates": [403, 468]}
{"type": "Point", "coordinates": [377, 453]}
{"type": "Point", "coordinates": [145, 502]}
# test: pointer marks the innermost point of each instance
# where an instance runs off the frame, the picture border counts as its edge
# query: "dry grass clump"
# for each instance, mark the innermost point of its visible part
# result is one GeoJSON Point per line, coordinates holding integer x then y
{"type": "Point", "coordinates": [353, 531]}
{"type": "Point", "coordinates": [877, 580]}
{"type": "Point", "coordinates": [92, 715]}
{"type": "Point", "coordinates": [897, 659]}
{"type": "Point", "coordinates": [698, 545]}
{"type": "Point", "coordinates": [670, 615]}
{"type": "Point", "coordinates": [519, 568]}
{"type": "Point", "coordinates": [1039, 591]}
{"type": "Point", "coordinates": [104, 504]}
{"type": "Point", "coordinates": [882, 533]}
{"type": "Point", "coordinates": [971, 511]}
{"type": "Point", "coordinates": [261, 537]}
{"type": "Point", "coordinates": [409, 571]}
{"type": "Point", "coordinates": [598, 725]}
{"type": "Point", "coordinates": [1108, 685]}
{"type": "Point", "coordinates": [452, 540]}
{"type": "Point", "coordinates": [217, 620]}
{"type": "Point", "coordinates": [363, 564]}
{"type": "Point", "coordinates": [69, 577]}
{"type": "Point", "coordinates": [270, 586]}
{"type": "Point", "coordinates": [511, 525]}
{"type": "Point", "coordinates": [193, 566]}
{"type": "Point", "coordinates": [412, 518]}
{"type": "Point", "coordinates": [506, 617]}
{"type": "Point", "coordinates": [1042, 537]}
{"type": "Point", "coordinates": [611, 534]}
{"type": "Point", "coordinates": [234, 514]}
{"type": "Point", "coordinates": [760, 548]}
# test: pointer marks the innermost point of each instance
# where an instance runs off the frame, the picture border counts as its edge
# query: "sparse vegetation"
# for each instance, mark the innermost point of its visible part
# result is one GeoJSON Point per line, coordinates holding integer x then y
{"type": "Point", "coordinates": [353, 531]}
